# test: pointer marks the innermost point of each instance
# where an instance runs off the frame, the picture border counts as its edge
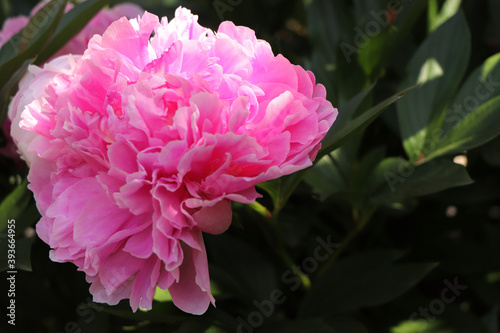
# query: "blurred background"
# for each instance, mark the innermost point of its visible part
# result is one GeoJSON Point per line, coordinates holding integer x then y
{"type": "Point", "coordinates": [419, 230]}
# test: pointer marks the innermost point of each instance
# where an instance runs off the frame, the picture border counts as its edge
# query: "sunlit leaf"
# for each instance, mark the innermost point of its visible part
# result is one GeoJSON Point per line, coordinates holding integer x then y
{"type": "Point", "coordinates": [335, 139]}
{"type": "Point", "coordinates": [437, 17]}
{"type": "Point", "coordinates": [421, 326]}
{"type": "Point", "coordinates": [475, 129]}
{"type": "Point", "coordinates": [162, 295]}
{"type": "Point", "coordinates": [438, 65]}
{"type": "Point", "coordinates": [404, 180]}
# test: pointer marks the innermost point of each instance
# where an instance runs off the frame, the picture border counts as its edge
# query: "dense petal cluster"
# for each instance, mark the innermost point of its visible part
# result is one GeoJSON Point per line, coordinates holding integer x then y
{"type": "Point", "coordinates": [77, 45]}
{"type": "Point", "coordinates": [141, 144]}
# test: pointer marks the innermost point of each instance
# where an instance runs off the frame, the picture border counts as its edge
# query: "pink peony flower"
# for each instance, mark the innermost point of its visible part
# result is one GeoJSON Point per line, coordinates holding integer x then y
{"type": "Point", "coordinates": [141, 144]}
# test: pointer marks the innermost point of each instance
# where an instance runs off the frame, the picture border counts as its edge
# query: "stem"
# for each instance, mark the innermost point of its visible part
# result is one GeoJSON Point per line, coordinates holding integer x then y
{"type": "Point", "coordinates": [287, 186]}
{"type": "Point", "coordinates": [259, 208]}
{"type": "Point", "coordinates": [283, 254]}
{"type": "Point", "coordinates": [360, 221]}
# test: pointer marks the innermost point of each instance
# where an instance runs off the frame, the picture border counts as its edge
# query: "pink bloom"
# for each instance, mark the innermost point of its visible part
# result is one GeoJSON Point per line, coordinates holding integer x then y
{"type": "Point", "coordinates": [140, 145]}
{"type": "Point", "coordinates": [78, 44]}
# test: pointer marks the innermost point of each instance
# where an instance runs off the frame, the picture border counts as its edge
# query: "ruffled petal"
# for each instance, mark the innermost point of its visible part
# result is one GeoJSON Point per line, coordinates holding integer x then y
{"type": "Point", "coordinates": [141, 144]}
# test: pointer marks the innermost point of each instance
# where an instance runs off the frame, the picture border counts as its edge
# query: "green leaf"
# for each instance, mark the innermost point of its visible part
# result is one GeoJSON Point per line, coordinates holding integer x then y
{"type": "Point", "coordinates": [378, 177]}
{"type": "Point", "coordinates": [363, 170]}
{"type": "Point", "coordinates": [347, 112]}
{"type": "Point", "coordinates": [405, 180]}
{"type": "Point", "coordinates": [373, 33]}
{"type": "Point", "coordinates": [71, 23]}
{"type": "Point", "coordinates": [477, 128]}
{"type": "Point", "coordinates": [481, 86]}
{"type": "Point", "coordinates": [350, 76]}
{"type": "Point", "coordinates": [471, 118]}
{"type": "Point", "coordinates": [162, 295]}
{"type": "Point", "coordinates": [376, 49]}
{"type": "Point", "coordinates": [437, 18]}
{"type": "Point", "coordinates": [28, 217]}
{"type": "Point", "coordinates": [325, 26]}
{"type": "Point", "coordinates": [326, 33]}
{"type": "Point", "coordinates": [273, 188]}
{"type": "Point", "coordinates": [382, 46]}
{"type": "Point", "coordinates": [438, 66]}
{"type": "Point", "coordinates": [421, 326]}
{"type": "Point", "coordinates": [336, 173]}
{"type": "Point", "coordinates": [282, 188]}
{"type": "Point", "coordinates": [334, 55]}
{"type": "Point", "coordinates": [14, 204]}
{"type": "Point", "coordinates": [17, 206]}
{"type": "Point", "coordinates": [365, 279]}
{"type": "Point", "coordinates": [10, 88]}
{"type": "Point", "coordinates": [335, 139]}
{"type": "Point", "coordinates": [31, 40]}
{"type": "Point", "coordinates": [342, 173]}
{"type": "Point", "coordinates": [288, 185]}
{"type": "Point", "coordinates": [326, 178]}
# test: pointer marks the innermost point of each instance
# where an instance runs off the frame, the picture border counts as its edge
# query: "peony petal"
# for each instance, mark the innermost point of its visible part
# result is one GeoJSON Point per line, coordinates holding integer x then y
{"type": "Point", "coordinates": [214, 219]}
{"type": "Point", "coordinates": [187, 294]}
